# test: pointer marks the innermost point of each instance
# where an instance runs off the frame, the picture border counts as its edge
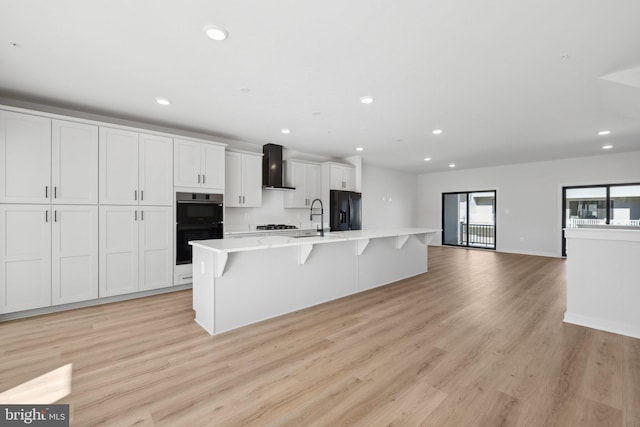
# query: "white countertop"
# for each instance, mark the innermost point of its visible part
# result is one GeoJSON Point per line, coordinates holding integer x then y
{"type": "Point", "coordinates": [259, 242]}
{"type": "Point", "coordinates": [604, 233]}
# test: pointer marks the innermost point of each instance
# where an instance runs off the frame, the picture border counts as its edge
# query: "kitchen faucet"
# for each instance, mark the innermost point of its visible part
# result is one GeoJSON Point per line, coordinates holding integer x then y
{"type": "Point", "coordinates": [321, 230]}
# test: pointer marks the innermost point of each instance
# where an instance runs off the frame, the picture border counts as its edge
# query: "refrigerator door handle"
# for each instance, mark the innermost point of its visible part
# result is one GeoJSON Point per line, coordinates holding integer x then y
{"type": "Point", "coordinates": [350, 212]}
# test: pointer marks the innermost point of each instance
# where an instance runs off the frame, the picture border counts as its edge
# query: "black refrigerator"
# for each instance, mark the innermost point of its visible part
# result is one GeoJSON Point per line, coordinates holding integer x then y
{"type": "Point", "coordinates": [346, 210]}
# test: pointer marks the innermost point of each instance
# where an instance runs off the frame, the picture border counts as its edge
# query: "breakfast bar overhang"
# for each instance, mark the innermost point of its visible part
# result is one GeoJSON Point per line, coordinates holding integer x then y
{"type": "Point", "coordinates": [237, 282]}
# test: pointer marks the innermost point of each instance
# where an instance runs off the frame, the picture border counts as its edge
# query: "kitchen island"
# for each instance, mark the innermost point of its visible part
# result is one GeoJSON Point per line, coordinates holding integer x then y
{"type": "Point", "coordinates": [237, 282]}
{"type": "Point", "coordinates": [603, 285]}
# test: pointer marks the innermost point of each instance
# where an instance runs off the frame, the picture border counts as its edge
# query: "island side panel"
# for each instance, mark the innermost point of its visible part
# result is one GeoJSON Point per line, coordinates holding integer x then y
{"type": "Point", "coordinates": [603, 289]}
{"type": "Point", "coordinates": [203, 288]}
{"type": "Point", "coordinates": [382, 263]}
{"type": "Point", "coordinates": [261, 284]}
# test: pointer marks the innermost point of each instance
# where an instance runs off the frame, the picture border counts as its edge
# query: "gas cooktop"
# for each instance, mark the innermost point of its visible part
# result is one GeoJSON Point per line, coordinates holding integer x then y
{"type": "Point", "coordinates": [276, 227]}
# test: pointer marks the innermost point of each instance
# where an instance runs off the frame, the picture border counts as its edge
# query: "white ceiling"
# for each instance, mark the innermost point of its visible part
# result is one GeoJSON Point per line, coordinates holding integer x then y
{"type": "Point", "coordinates": [508, 81]}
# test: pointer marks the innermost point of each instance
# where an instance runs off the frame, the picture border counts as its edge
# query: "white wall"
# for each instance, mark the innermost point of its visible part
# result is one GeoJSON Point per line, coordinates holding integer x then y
{"type": "Point", "coordinates": [389, 198]}
{"type": "Point", "coordinates": [529, 196]}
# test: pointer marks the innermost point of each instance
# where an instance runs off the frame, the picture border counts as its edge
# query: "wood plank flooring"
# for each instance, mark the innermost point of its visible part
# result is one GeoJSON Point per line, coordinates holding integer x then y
{"type": "Point", "coordinates": [476, 341]}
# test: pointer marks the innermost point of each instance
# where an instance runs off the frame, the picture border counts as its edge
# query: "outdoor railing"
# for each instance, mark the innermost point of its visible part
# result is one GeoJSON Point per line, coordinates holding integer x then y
{"type": "Point", "coordinates": [479, 234]}
{"type": "Point", "coordinates": [574, 222]}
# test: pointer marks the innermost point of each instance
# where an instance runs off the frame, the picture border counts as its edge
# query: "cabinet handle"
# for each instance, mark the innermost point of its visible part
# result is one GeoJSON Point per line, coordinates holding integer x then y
{"type": "Point", "coordinates": [141, 215]}
{"type": "Point", "coordinates": [135, 215]}
{"type": "Point", "coordinates": [46, 216]}
{"type": "Point", "coordinates": [135, 194]}
{"type": "Point", "coordinates": [188, 277]}
{"type": "Point", "coordinates": [198, 178]}
{"type": "Point", "coordinates": [55, 192]}
{"type": "Point", "coordinates": [239, 199]}
{"type": "Point", "coordinates": [46, 192]}
{"type": "Point", "coordinates": [141, 194]}
{"type": "Point", "coordinates": [243, 200]}
{"type": "Point", "coordinates": [203, 178]}
{"type": "Point", "coordinates": [55, 216]}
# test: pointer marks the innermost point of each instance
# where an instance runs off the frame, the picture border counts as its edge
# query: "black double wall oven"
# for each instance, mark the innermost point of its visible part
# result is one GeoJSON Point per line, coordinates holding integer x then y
{"type": "Point", "coordinates": [198, 217]}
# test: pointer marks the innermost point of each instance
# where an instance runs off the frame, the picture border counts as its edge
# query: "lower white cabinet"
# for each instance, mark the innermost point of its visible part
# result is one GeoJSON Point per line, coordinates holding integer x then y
{"type": "Point", "coordinates": [136, 247]}
{"type": "Point", "coordinates": [74, 254]}
{"type": "Point", "coordinates": [25, 257]}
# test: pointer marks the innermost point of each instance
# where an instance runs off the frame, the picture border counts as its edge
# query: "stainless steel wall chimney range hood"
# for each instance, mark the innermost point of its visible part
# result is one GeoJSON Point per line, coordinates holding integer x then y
{"type": "Point", "coordinates": [272, 168]}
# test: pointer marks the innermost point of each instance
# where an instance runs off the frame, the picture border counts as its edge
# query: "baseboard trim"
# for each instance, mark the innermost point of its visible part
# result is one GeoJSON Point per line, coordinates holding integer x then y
{"type": "Point", "coordinates": [89, 303]}
{"type": "Point", "coordinates": [632, 331]}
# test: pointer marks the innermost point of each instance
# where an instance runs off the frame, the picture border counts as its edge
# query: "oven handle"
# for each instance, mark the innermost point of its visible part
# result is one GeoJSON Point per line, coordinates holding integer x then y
{"type": "Point", "coordinates": [204, 202]}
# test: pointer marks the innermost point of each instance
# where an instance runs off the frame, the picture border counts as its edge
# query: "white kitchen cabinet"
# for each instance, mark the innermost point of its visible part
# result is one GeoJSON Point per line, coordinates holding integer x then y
{"type": "Point", "coordinates": [135, 168]}
{"type": "Point", "coordinates": [74, 253]}
{"type": "Point", "coordinates": [155, 244]}
{"type": "Point", "coordinates": [155, 183]}
{"type": "Point", "coordinates": [342, 177]}
{"type": "Point", "coordinates": [118, 166]}
{"type": "Point", "coordinates": [74, 165]}
{"type": "Point", "coordinates": [305, 177]}
{"type": "Point", "coordinates": [198, 165]}
{"type": "Point", "coordinates": [25, 257]}
{"type": "Point", "coordinates": [25, 158]}
{"type": "Point", "coordinates": [136, 247]}
{"type": "Point", "coordinates": [243, 179]}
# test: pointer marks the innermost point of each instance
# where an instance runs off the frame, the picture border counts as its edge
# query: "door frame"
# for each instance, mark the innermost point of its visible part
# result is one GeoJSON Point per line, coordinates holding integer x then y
{"type": "Point", "coordinates": [495, 218]}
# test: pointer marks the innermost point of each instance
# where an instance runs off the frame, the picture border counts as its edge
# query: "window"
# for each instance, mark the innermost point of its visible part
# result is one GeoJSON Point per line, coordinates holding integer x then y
{"type": "Point", "coordinates": [615, 204]}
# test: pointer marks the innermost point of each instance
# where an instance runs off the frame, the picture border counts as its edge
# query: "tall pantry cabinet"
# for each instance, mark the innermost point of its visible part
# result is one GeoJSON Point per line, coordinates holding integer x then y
{"type": "Point", "coordinates": [136, 198]}
{"type": "Point", "coordinates": [48, 211]}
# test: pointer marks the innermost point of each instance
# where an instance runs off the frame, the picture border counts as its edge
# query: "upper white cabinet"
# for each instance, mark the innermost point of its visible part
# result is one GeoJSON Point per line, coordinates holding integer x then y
{"type": "Point", "coordinates": [74, 253]}
{"type": "Point", "coordinates": [305, 177]}
{"type": "Point", "coordinates": [155, 159]}
{"type": "Point", "coordinates": [243, 180]}
{"type": "Point", "coordinates": [342, 177]}
{"type": "Point", "coordinates": [25, 257]}
{"type": "Point", "coordinates": [198, 165]}
{"type": "Point", "coordinates": [74, 166]}
{"type": "Point", "coordinates": [118, 166]}
{"type": "Point", "coordinates": [25, 158]}
{"type": "Point", "coordinates": [135, 168]}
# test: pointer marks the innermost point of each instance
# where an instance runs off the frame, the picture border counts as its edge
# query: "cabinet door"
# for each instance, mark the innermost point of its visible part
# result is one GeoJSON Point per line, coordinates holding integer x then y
{"type": "Point", "coordinates": [213, 158]}
{"type": "Point", "coordinates": [186, 157]}
{"type": "Point", "coordinates": [25, 257]}
{"type": "Point", "coordinates": [74, 163]}
{"type": "Point", "coordinates": [156, 247]}
{"type": "Point", "coordinates": [118, 250]}
{"type": "Point", "coordinates": [25, 158]}
{"type": "Point", "coordinates": [252, 181]}
{"type": "Point", "coordinates": [295, 176]}
{"type": "Point", "coordinates": [74, 253]}
{"type": "Point", "coordinates": [336, 178]}
{"type": "Point", "coordinates": [349, 179]}
{"type": "Point", "coordinates": [118, 167]}
{"type": "Point", "coordinates": [156, 165]}
{"type": "Point", "coordinates": [313, 183]}
{"type": "Point", "coordinates": [233, 180]}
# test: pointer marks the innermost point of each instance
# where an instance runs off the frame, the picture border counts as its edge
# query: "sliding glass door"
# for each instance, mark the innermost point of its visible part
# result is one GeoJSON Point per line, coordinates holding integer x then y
{"type": "Point", "coordinates": [469, 219]}
{"type": "Point", "coordinates": [614, 204]}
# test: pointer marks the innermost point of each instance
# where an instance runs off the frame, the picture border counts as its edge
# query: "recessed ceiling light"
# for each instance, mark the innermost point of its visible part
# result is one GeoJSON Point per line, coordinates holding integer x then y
{"type": "Point", "coordinates": [316, 113]}
{"type": "Point", "coordinates": [604, 132]}
{"type": "Point", "coordinates": [366, 99]}
{"type": "Point", "coordinates": [427, 159]}
{"type": "Point", "coordinates": [163, 101]}
{"type": "Point", "coordinates": [216, 33]}
{"type": "Point", "coordinates": [285, 131]}
{"type": "Point", "coordinates": [436, 131]}
{"type": "Point", "coordinates": [359, 149]}
{"type": "Point", "coordinates": [452, 165]}
{"type": "Point", "coordinates": [607, 147]}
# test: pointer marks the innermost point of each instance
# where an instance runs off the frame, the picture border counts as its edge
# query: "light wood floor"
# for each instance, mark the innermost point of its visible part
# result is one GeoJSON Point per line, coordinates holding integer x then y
{"type": "Point", "coordinates": [477, 341]}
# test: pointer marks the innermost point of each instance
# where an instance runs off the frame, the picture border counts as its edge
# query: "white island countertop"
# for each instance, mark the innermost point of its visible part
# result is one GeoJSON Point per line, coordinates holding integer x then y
{"type": "Point", "coordinates": [257, 242]}
{"type": "Point", "coordinates": [245, 280]}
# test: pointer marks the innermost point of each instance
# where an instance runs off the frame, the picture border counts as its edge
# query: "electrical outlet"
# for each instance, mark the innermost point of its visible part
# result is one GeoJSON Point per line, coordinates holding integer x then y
{"type": "Point", "coordinates": [522, 240]}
